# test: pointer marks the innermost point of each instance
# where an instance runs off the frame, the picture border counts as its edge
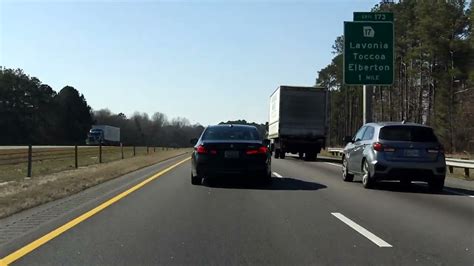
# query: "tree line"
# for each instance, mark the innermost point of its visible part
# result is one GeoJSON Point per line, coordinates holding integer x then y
{"type": "Point", "coordinates": [434, 75]}
{"type": "Point", "coordinates": [33, 113]}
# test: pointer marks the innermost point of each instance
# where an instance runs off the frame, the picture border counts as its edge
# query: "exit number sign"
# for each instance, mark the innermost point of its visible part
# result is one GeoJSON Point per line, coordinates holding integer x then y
{"type": "Point", "coordinates": [373, 16]}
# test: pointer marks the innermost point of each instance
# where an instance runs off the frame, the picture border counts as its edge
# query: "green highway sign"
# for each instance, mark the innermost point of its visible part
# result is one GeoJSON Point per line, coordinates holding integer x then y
{"type": "Point", "coordinates": [368, 53]}
{"type": "Point", "coordinates": [373, 16]}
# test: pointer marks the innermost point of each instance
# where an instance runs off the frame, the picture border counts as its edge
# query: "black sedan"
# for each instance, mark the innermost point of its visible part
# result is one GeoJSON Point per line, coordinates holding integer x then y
{"type": "Point", "coordinates": [224, 150]}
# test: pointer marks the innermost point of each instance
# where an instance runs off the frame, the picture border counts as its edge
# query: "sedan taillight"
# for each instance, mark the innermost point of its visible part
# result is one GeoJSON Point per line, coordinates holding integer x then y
{"type": "Point", "coordinates": [203, 150]}
{"type": "Point", "coordinates": [261, 150]}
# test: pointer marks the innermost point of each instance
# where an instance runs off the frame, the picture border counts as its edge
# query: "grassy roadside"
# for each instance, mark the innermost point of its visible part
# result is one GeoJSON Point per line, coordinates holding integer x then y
{"type": "Point", "coordinates": [13, 163]}
{"type": "Point", "coordinates": [21, 194]}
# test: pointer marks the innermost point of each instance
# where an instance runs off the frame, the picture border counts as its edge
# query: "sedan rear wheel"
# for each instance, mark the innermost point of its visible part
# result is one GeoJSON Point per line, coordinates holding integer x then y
{"type": "Point", "coordinates": [345, 171]}
{"type": "Point", "coordinates": [195, 179]}
{"type": "Point", "coordinates": [367, 181]}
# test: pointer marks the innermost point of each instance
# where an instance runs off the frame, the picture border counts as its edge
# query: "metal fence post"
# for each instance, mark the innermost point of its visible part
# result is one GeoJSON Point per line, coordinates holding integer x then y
{"type": "Point", "coordinates": [75, 157]}
{"type": "Point", "coordinates": [147, 150]}
{"type": "Point", "coordinates": [100, 153]}
{"type": "Point", "coordinates": [121, 149]}
{"type": "Point", "coordinates": [154, 149]}
{"type": "Point", "coordinates": [134, 152]}
{"type": "Point", "coordinates": [30, 155]}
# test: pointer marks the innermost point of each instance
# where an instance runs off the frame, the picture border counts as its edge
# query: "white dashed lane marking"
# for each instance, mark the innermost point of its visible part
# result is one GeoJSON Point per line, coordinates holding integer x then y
{"type": "Point", "coordinates": [361, 230]}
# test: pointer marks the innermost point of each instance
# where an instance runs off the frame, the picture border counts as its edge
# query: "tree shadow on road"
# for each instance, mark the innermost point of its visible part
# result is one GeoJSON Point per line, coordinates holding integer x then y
{"type": "Point", "coordinates": [285, 183]}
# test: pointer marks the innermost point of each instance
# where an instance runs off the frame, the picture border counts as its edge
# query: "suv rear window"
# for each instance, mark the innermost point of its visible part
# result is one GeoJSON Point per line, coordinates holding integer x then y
{"type": "Point", "coordinates": [231, 133]}
{"type": "Point", "coordinates": [408, 133]}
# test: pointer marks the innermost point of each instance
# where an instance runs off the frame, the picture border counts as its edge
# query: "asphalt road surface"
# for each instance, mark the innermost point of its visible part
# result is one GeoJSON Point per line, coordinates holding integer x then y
{"type": "Point", "coordinates": [308, 216]}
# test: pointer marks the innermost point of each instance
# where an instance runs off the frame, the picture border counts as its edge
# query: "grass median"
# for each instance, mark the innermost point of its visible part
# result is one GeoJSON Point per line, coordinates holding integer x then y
{"type": "Point", "coordinates": [23, 193]}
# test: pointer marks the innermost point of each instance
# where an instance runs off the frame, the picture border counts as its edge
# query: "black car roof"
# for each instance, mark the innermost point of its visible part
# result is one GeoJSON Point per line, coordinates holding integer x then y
{"type": "Point", "coordinates": [233, 125]}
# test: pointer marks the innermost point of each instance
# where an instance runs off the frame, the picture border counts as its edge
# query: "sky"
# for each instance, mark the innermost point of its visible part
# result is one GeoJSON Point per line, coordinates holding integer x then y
{"type": "Point", "coordinates": [208, 61]}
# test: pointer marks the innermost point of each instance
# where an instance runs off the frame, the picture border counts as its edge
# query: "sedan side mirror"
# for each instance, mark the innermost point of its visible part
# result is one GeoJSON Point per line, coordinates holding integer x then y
{"type": "Point", "coordinates": [193, 141]}
{"type": "Point", "coordinates": [348, 139]}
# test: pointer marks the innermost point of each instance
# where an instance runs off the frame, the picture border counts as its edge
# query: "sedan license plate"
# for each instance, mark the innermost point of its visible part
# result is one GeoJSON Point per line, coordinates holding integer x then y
{"type": "Point", "coordinates": [412, 153]}
{"type": "Point", "coordinates": [231, 154]}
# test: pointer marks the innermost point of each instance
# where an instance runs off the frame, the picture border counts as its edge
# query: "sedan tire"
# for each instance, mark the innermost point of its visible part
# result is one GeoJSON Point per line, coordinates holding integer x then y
{"type": "Point", "coordinates": [195, 179]}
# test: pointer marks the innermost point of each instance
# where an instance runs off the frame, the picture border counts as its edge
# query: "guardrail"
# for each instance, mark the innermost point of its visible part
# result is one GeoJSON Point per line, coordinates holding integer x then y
{"type": "Point", "coordinates": [460, 163]}
{"type": "Point", "coordinates": [335, 151]}
{"type": "Point", "coordinates": [451, 163]}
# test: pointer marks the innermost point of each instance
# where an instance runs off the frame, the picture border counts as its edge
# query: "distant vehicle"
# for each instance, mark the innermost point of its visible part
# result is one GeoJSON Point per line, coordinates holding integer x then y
{"type": "Point", "coordinates": [298, 121]}
{"type": "Point", "coordinates": [104, 135]}
{"type": "Point", "coordinates": [395, 151]}
{"type": "Point", "coordinates": [230, 149]}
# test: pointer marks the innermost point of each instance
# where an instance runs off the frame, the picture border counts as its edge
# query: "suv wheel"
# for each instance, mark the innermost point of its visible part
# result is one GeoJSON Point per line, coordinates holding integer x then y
{"type": "Point", "coordinates": [436, 185]}
{"type": "Point", "coordinates": [367, 181]}
{"type": "Point", "coordinates": [345, 171]}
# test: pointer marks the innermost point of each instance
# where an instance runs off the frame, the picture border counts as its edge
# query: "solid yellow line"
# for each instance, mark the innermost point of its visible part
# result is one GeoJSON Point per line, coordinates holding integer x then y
{"type": "Point", "coordinates": [58, 231]}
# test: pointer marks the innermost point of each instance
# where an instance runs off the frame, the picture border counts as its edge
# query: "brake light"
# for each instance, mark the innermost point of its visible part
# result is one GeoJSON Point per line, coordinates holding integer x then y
{"type": "Point", "coordinates": [377, 146]}
{"type": "Point", "coordinates": [261, 150]}
{"type": "Point", "coordinates": [201, 149]}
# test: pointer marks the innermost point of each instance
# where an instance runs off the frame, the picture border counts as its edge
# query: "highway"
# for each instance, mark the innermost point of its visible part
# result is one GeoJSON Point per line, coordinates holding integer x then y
{"type": "Point", "coordinates": [308, 216]}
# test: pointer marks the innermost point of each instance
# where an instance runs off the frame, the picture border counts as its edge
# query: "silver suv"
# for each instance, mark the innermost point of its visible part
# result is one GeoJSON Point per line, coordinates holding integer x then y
{"type": "Point", "coordinates": [394, 151]}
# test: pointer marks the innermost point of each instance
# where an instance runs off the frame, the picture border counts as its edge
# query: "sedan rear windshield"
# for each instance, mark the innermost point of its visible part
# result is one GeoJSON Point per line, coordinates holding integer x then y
{"type": "Point", "coordinates": [408, 133]}
{"type": "Point", "coordinates": [231, 133]}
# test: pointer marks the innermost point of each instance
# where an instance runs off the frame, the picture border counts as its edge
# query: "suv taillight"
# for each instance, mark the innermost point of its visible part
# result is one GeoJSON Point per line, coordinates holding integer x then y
{"type": "Point", "coordinates": [377, 146]}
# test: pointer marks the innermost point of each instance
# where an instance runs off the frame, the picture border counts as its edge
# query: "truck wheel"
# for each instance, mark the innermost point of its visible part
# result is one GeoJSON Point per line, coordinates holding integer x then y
{"type": "Point", "coordinates": [310, 156]}
{"type": "Point", "coordinates": [277, 154]}
{"type": "Point", "coordinates": [282, 155]}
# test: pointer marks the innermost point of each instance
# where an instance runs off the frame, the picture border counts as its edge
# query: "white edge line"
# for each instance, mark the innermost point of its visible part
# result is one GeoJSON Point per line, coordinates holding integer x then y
{"type": "Point", "coordinates": [361, 230]}
{"type": "Point", "coordinates": [458, 193]}
{"type": "Point", "coordinates": [333, 164]}
{"type": "Point", "coordinates": [277, 175]}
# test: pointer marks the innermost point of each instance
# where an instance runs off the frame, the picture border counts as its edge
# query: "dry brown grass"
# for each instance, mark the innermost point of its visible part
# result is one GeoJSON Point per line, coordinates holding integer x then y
{"type": "Point", "coordinates": [24, 193]}
{"type": "Point", "coordinates": [13, 163]}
